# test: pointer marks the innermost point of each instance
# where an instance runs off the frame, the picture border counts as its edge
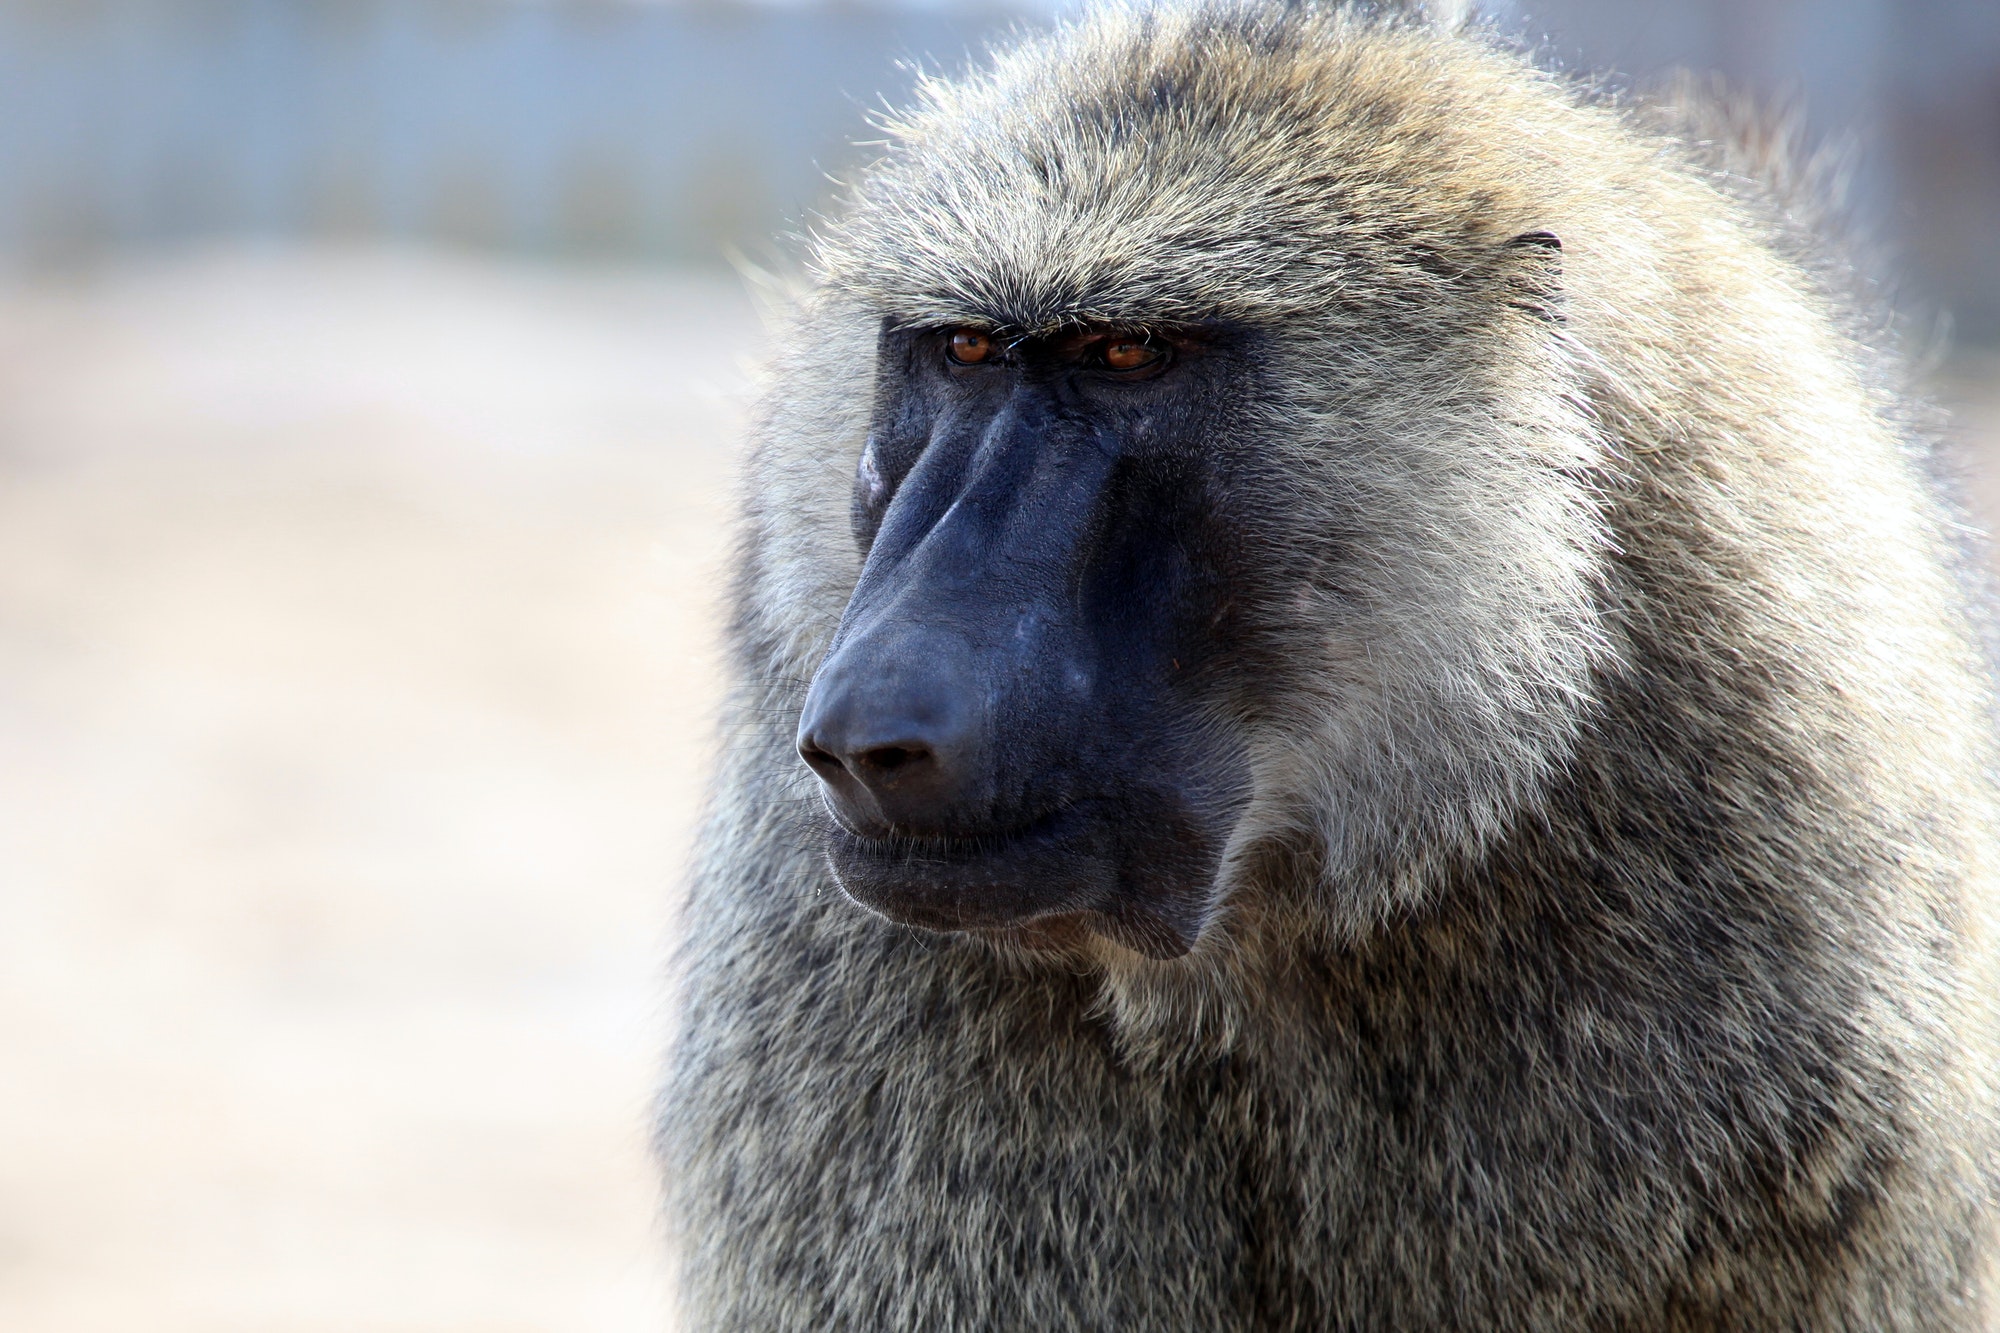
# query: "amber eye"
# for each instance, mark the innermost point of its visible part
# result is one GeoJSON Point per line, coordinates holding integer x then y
{"type": "Point", "coordinates": [1129, 353]}
{"type": "Point", "coordinates": [969, 347]}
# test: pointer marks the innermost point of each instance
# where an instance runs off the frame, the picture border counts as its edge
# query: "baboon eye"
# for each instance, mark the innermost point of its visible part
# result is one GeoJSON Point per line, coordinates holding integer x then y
{"type": "Point", "coordinates": [1130, 353]}
{"type": "Point", "coordinates": [969, 346]}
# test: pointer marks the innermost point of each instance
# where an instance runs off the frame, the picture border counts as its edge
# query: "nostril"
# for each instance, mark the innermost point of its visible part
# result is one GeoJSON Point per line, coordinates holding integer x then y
{"type": "Point", "coordinates": [877, 761]}
{"type": "Point", "coordinates": [889, 758]}
{"type": "Point", "coordinates": [820, 760]}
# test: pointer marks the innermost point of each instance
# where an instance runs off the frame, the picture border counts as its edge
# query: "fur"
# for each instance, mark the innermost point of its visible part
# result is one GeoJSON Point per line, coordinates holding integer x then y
{"type": "Point", "coordinates": [1607, 944]}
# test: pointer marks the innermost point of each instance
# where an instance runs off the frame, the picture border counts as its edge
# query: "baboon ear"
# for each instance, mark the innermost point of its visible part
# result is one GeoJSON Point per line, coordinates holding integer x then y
{"type": "Point", "coordinates": [1540, 281]}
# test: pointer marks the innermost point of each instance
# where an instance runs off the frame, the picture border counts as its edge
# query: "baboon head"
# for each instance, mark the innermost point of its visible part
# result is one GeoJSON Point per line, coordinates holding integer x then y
{"type": "Point", "coordinates": [1224, 501]}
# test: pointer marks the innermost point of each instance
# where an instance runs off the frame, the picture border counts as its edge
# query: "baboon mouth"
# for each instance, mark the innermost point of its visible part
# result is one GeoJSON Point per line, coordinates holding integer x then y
{"type": "Point", "coordinates": [973, 882]}
{"type": "Point", "coordinates": [1060, 875]}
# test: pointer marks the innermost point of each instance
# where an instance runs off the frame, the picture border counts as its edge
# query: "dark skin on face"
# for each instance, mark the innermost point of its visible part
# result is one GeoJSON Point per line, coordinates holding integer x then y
{"type": "Point", "coordinates": [1015, 729]}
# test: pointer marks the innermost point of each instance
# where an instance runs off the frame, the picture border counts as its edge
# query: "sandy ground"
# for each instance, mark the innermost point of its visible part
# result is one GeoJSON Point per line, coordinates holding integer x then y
{"type": "Point", "coordinates": [356, 666]}
{"type": "Point", "coordinates": [356, 669]}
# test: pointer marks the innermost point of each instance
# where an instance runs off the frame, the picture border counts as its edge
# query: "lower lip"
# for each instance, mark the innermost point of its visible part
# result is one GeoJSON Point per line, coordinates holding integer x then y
{"type": "Point", "coordinates": [1010, 880]}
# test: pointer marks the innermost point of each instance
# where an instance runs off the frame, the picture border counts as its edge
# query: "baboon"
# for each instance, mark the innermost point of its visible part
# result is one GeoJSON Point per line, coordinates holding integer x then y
{"type": "Point", "coordinates": [1351, 711]}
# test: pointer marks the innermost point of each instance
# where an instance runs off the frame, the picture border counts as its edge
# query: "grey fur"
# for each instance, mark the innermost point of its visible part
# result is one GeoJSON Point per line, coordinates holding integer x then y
{"type": "Point", "coordinates": [1609, 942]}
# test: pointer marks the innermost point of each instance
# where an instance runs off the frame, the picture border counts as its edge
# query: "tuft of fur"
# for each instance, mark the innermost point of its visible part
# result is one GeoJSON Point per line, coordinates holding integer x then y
{"type": "Point", "coordinates": [1608, 943]}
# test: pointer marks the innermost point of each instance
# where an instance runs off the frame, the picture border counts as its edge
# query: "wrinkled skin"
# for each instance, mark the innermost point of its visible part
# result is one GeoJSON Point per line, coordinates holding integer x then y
{"type": "Point", "coordinates": [1003, 725]}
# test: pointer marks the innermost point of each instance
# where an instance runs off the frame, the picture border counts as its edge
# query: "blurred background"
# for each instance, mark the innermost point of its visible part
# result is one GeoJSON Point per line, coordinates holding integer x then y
{"type": "Point", "coordinates": [371, 377]}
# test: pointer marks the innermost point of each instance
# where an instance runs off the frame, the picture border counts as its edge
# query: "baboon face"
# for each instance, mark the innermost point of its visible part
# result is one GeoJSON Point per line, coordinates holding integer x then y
{"type": "Point", "coordinates": [1015, 727]}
